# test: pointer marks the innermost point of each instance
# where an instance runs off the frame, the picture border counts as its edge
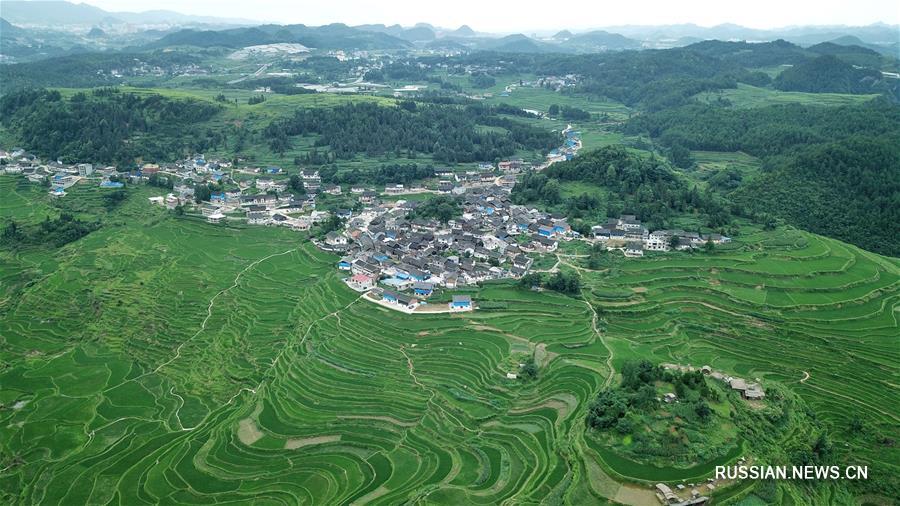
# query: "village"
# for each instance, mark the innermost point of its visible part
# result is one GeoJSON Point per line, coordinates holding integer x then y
{"type": "Point", "coordinates": [391, 255]}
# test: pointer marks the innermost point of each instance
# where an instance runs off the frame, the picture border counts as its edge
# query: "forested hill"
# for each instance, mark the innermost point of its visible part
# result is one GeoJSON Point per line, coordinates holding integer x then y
{"type": "Point", "coordinates": [849, 189]}
{"type": "Point", "coordinates": [641, 185]}
{"type": "Point", "coordinates": [334, 36]}
{"type": "Point", "coordinates": [447, 133]}
{"type": "Point", "coordinates": [831, 170]}
{"type": "Point", "coordinates": [106, 126]}
{"type": "Point", "coordinates": [828, 74]}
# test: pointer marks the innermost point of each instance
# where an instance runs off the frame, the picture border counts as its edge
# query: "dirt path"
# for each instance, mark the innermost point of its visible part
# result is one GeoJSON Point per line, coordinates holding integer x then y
{"type": "Point", "coordinates": [594, 318]}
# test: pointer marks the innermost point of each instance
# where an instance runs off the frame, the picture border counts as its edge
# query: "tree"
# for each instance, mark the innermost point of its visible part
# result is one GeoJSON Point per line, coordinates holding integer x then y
{"type": "Point", "coordinates": [607, 409]}
{"type": "Point", "coordinates": [673, 242]}
{"type": "Point", "coordinates": [530, 280]}
{"type": "Point", "coordinates": [202, 193]}
{"type": "Point", "coordinates": [530, 369]}
{"type": "Point", "coordinates": [442, 208]}
{"type": "Point", "coordinates": [702, 410]}
{"type": "Point", "coordinates": [333, 223]}
{"type": "Point", "coordinates": [295, 184]}
{"type": "Point", "coordinates": [562, 282]}
{"type": "Point", "coordinates": [553, 110]}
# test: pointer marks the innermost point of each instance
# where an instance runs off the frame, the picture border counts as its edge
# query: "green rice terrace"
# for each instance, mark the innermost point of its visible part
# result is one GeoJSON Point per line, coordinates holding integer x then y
{"type": "Point", "coordinates": [161, 359]}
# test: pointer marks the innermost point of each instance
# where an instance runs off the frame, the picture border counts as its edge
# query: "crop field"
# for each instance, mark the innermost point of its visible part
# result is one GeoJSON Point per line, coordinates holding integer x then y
{"type": "Point", "coordinates": [810, 313]}
{"type": "Point", "coordinates": [162, 359]}
{"type": "Point", "coordinates": [751, 96]}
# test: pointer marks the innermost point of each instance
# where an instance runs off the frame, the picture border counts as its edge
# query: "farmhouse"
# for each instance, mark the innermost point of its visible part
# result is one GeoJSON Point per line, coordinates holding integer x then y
{"type": "Point", "coordinates": [400, 299]}
{"type": "Point", "coordinates": [461, 303]}
{"type": "Point", "coordinates": [361, 282]}
{"type": "Point", "coordinates": [216, 217]}
{"type": "Point", "coordinates": [634, 249]}
{"type": "Point", "coordinates": [335, 239]}
{"type": "Point", "coordinates": [749, 391]}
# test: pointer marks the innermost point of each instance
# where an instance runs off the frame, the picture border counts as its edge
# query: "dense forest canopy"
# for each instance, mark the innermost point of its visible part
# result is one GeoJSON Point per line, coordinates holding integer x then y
{"type": "Point", "coordinates": [849, 189]}
{"type": "Point", "coordinates": [107, 126]}
{"type": "Point", "coordinates": [831, 170]}
{"type": "Point", "coordinates": [447, 133]}
{"type": "Point", "coordinates": [764, 131]}
{"type": "Point", "coordinates": [644, 186]}
{"type": "Point", "coordinates": [828, 74]}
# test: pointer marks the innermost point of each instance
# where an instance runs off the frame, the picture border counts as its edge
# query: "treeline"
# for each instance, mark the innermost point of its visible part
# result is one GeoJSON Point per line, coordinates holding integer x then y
{"type": "Point", "coordinates": [55, 233]}
{"type": "Point", "coordinates": [397, 71]}
{"type": "Point", "coordinates": [86, 70]}
{"type": "Point", "coordinates": [107, 126]}
{"type": "Point", "coordinates": [643, 186]}
{"type": "Point", "coordinates": [830, 170]}
{"type": "Point", "coordinates": [660, 79]}
{"type": "Point", "coordinates": [568, 113]}
{"type": "Point", "coordinates": [568, 283]}
{"type": "Point", "coordinates": [849, 189]}
{"type": "Point", "coordinates": [447, 133]}
{"type": "Point", "coordinates": [383, 174]}
{"type": "Point", "coordinates": [281, 85]}
{"type": "Point", "coordinates": [764, 131]}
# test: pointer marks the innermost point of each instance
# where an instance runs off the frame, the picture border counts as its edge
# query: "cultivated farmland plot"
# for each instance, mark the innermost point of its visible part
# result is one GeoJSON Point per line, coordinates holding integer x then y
{"type": "Point", "coordinates": [141, 365]}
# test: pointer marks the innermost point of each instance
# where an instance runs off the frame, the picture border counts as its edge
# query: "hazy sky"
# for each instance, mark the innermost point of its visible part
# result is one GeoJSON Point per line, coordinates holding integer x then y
{"type": "Point", "coordinates": [529, 15]}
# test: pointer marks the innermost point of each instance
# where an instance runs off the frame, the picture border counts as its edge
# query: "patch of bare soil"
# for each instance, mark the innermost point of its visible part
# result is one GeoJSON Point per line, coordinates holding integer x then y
{"type": "Point", "coordinates": [248, 432]}
{"type": "Point", "coordinates": [293, 444]}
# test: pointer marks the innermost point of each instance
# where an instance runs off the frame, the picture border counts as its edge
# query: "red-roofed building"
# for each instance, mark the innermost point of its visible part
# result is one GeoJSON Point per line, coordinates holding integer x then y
{"type": "Point", "coordinates": [361, 282]}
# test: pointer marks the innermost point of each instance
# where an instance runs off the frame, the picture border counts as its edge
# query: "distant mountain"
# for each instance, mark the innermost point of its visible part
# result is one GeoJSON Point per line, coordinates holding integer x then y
{"type": "Point", "coordinates": [96, 33]}
{"type": "Point", "coordinates": [517, 43]}
{"type": "Point", "coordinates": [746, 54]}
{"type": "Point", "coordinates": [58, 13]}
{"type": "Point", "coordinates": [446, 44]}
{"type": "Point", "coordinates": [19, 44]}
{"type": "Point", "coordinates": [8, 29]}
{"type": "Point", "coordinates": [878, 33]}
{"type": "Point", "coordinates": [884, 49]}
{"type": "Point", "coordinates": [600, 40]}
{"type": "Point", "coordinates": [53, 12]}
{"type": "Point", "coordinates": [334, 36]}
{"type": "Point", "coordinates": [563, 35]}
{"type": "Point", "coordinates": [418, 33]}
{"type": "Point", "coordinates": [464, 31]}
{"type": "Point", "coordinates": [854, 55]}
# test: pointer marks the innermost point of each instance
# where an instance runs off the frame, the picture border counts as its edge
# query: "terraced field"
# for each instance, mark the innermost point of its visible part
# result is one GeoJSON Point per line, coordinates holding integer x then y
{"type": "Point", "coordinates": [803, 311]}
{"type": "Point", "coordinates": [164, 360]}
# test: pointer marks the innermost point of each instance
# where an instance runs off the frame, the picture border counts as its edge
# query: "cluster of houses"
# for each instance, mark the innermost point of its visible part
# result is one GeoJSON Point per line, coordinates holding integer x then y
{"type": "Point", "coordinates": [751, 391]}
{"type": "Point", "coordinates": [629, 234]}
{"type": "Point", "coordinates": [386, 244]}
{"type": "Point", "coordinates": [59, 176]}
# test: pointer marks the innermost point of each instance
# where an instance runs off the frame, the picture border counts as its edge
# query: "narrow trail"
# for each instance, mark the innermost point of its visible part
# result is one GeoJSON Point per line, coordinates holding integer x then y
{"type": "Point", "coordinates": [209, 309]}
{"type": "Point", "coordinates": [280, 354]}
{"type": "Point", "coordinates": [805, 377]}
{"type": "Point", "coordinates": [594, 319]}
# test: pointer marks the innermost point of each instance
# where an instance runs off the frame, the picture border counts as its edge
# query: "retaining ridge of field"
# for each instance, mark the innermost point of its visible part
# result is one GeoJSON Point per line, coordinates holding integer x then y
{"type": "Point", "coordinates": [164, 360]}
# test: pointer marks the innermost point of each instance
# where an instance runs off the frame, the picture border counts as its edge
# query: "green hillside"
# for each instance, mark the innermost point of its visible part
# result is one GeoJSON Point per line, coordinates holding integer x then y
{"type": "Point", "coordinates": [142, 365]}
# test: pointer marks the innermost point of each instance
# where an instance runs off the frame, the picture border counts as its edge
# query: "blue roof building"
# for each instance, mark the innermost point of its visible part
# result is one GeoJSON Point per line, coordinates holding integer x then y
{"type": "Point", "coordinates": [461, 302]}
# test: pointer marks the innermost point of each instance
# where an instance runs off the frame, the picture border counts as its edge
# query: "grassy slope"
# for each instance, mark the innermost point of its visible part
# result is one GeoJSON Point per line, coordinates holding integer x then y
{"type": "Point", "coordinates": [165, 359]}
{"type": "Point", "coordinates": [751, 96]}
